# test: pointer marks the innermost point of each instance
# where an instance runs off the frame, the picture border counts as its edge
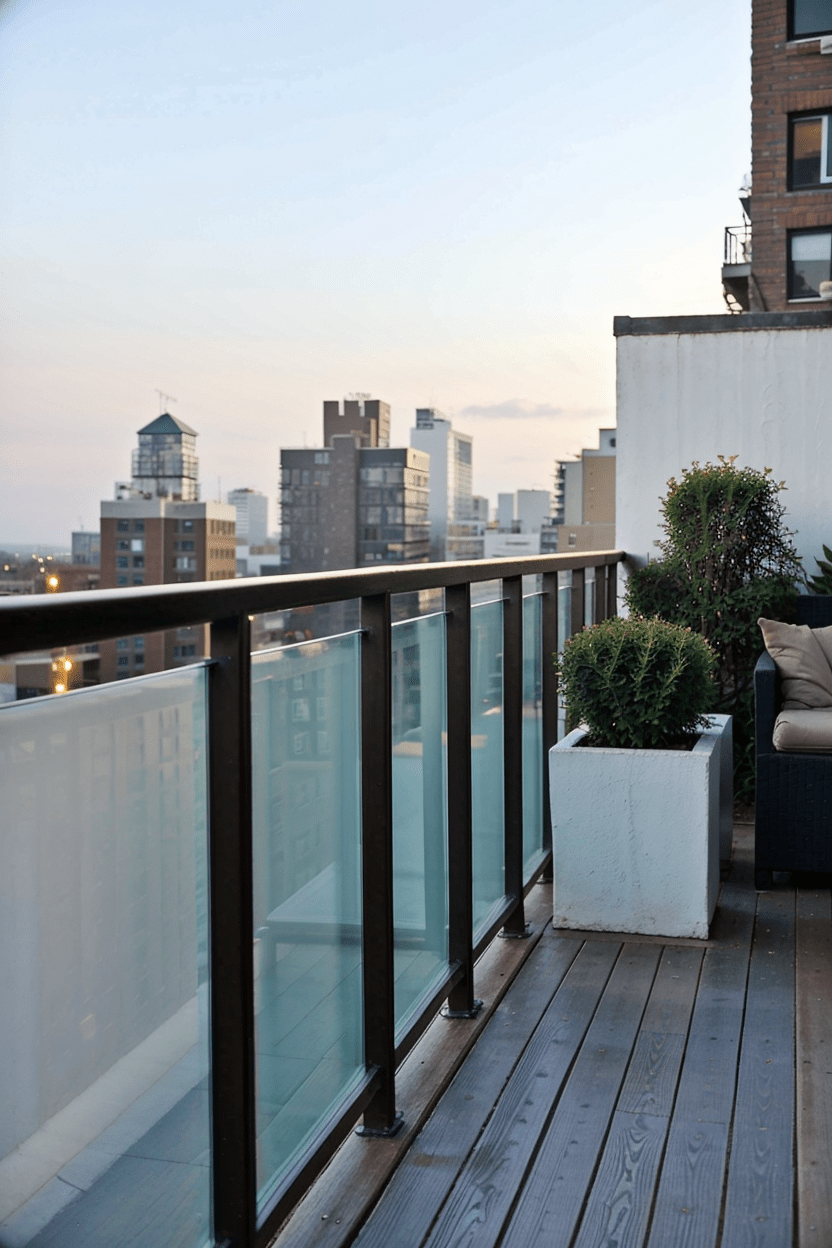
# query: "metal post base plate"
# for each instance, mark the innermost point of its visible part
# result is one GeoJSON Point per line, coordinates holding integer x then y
{"type": "Point", "coordinates": [472, 1013]}
{"type": "Point", "coordinates": [382, 1133]}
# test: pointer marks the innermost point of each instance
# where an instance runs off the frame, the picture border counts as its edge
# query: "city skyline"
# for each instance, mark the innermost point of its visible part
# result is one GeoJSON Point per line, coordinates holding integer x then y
{"type": "Point", "coordinates": [252, 212]}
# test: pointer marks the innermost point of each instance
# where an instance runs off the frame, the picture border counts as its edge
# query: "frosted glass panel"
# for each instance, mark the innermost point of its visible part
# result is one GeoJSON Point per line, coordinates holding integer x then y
{"type": "Point", "coordinates": [532, 729]}
{"type": "Point", "coordinates": [487, 758]}
{"type": "Point", "coordinates": [307, 893]}
{"type": "Point", "coordinates": [420, 868]}
{"type": "Point", "coordinates": [104, 1114]}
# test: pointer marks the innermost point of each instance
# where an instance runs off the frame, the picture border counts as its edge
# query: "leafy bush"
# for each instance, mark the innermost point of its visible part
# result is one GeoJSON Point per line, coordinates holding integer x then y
{"type": "Point", "coordinates": [821, 582]}
{"type": "Point", "coordinates": [637, 683]}
{"type": "Point", "coordinates": [728, 559]}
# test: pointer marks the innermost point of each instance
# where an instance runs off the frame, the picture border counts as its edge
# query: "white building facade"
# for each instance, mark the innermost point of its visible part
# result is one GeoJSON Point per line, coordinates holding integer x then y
{"type": "Point", "coordinates": [691, 388]}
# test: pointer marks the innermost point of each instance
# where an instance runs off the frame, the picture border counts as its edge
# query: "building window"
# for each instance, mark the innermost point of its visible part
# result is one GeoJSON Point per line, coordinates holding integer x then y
{"type": "Point", "coordinates": [121, 580]}
{"type": "Point", "coordinates": [809, 17]}
{"type": "Point", "coordinates": [123, 660]}
{"type": "Point", "coordinates": [184, 652]}
{"type": "Point", "coordinates": [138, 643]}
{"type": "Point", "coordinates": [122, 643]}
{"type": "Point", "coordinates": [810, 152]}
{"type": "Point", "coordinates": [137, 545]}
{"type": "Point", "coordinates": [187, 526]}
{"type": "Point", "coordinates": [138, 580]}
{"type": "Point", "coordinates": [138, 525]}
{"type": "Point", "coordinates": [138, 561]}
{"type": "Point", "coordinates": [809, 263]}
{"type": "Point", "coordinates": [138, 659]}
{"type": "Point", "coordinates": [122, 544]}
{"type": "Point", "coordinates": [123, 526]}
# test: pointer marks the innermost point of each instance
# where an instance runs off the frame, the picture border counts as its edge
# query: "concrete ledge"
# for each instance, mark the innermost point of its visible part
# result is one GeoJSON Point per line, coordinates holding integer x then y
{"type": "Point", "coordinates": [631, 326]}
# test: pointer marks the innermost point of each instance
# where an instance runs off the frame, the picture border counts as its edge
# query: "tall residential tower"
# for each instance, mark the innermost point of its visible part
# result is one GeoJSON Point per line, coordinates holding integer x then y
{"type": "Point", "coordinates": [156, 532]}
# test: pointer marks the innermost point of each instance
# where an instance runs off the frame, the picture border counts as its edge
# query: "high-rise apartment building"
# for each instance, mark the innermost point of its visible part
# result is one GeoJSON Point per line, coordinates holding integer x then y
{"type": "Point", "coordinates": [455, 532]}
{"type": "Point", "coordinates": [586, 496]}
{"type": "Point", "coordinates": [252, 516]}
{"type": "Point", "coordinates": [781, 259]}
{"type": "Point", "coordinates": [362, 418]}
{"type": "Point", "coordinates": [157, 532]}
{"type": "Point", "coordinates": [357, 500]}
{"type": "Point", "coordinates": [86, 549]}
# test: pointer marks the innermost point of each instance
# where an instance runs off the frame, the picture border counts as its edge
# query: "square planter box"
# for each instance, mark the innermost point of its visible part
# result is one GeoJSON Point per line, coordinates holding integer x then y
{"type": "Point", "coordinates": [638, 834]}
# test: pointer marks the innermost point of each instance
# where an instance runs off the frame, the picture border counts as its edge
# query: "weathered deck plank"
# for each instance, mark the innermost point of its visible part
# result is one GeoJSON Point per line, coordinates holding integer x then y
{"type": "Point", "coordinates": [618, 1209]}
{"type": "Point", "coordinates": [760, 1194]}
{"type": "Point", "coordinates": [544, 1050]}
{"type": "Point", "coordinates": [814, 1068]}
{"type": "Point", "coordinates": [549, 1206]}
{"type": "Point", "coordinates": [689, 1197]}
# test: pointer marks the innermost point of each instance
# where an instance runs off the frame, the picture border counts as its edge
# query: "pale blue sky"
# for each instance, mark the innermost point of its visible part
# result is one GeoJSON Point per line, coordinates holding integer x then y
{"type": "Point", "coordinates": [260, 206]}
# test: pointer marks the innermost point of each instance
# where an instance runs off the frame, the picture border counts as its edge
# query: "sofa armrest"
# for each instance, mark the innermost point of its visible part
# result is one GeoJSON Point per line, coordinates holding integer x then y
{"type": "Point", "coordinates": [766, 698]}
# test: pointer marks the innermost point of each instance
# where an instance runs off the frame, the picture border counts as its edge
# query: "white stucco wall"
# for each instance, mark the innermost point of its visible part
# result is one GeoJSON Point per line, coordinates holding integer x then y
{"type": "Point", "coordinates": [764, 395]}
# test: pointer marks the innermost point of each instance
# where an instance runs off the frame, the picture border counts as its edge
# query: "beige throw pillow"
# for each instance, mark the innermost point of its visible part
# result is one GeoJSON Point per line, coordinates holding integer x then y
{"type": "Point", "coordinates": [803, 657]}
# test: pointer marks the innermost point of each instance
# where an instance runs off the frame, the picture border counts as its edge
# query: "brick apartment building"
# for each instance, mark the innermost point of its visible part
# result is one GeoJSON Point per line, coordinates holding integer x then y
{"type": "Point", "coordinates": [356, 501]}
{"type": "Point", "coordinates": [789, 259]}
{"type": "Point", "coordinates": [157, 532]}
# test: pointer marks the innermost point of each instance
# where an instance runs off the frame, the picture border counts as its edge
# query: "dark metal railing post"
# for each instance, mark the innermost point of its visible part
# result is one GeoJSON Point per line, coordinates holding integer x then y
{"type": "Point", "coordinates": [231, 932]}
{"type": "Point", "coordinates": [380, 1116]}
{"type": "Point", "coordinates": [577, 612]}
{"type": "Point", "coordinates": [599, 596]}
{"type": "Point", "coordinates": [461, 1002]}
{"type": "Point", "coordinates": [612, 589]}
{"type": "Point", "coordinates": [515, 924]}
{"type": "Point", "coordinates": [549, 695]}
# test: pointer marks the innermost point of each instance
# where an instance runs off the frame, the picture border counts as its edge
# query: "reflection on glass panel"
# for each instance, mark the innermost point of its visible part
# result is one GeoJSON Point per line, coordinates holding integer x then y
{"type": "Point", "coordinates": [533, 660]}
{"type": "Point", "coordinates": [807, 140]}
{"type": "Point", "coordinates": [812, 17]}
{"type": "Point", "coordinates": [307, 893]}
{"type": "Point", "coordinates": [104, 1113]}
{"type": "Point", "coordinates": [420, 870]}
{"type": "Point", "coordinates": [487, 758]}
{"type": "Point", "coordinates": [811, 264]}
{"type": "Point", "coordinates": [564, 632]}
{"type": "Point", "coordinates": [589, 596]}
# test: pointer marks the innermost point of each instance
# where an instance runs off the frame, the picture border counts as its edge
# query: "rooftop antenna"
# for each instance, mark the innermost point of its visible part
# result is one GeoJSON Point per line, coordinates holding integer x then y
{"type": "Point", "coordinates": [163, 399]}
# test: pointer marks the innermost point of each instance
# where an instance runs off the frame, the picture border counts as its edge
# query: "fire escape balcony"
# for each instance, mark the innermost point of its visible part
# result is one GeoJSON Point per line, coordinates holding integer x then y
{"type": "Point", "coordinates": [736, 267]}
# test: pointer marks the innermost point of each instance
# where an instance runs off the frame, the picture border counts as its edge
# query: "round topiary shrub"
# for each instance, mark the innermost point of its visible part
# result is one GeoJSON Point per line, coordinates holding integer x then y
{"type": "Point", "coordinates": [638, 683]}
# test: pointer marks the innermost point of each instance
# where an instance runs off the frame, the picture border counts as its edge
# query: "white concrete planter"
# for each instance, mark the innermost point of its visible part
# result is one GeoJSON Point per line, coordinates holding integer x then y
{"type": "Point", "coordinates": [638, 834]}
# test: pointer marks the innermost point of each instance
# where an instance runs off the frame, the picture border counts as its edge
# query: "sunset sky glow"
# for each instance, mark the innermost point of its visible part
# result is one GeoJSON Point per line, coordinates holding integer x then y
{"type": "Point", "coordinates": [259, 206]}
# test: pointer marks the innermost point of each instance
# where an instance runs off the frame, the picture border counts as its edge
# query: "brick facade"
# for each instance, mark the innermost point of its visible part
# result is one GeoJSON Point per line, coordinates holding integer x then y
{"type": "Point", "coordinates": [786, 78]}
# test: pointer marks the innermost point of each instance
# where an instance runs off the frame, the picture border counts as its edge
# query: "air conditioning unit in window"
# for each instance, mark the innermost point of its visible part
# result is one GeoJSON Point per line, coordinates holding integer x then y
{"type": "Point", "coordinates": [825, 290]}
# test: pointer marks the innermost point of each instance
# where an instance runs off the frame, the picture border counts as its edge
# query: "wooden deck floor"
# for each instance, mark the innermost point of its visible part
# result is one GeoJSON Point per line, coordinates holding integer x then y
{"type": "Point", "coordinates": [625, 1092]}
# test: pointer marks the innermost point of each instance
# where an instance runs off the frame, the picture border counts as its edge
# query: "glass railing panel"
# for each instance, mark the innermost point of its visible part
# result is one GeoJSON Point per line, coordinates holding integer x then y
{"type": "Point", "coordinates": [104, 1081]}
{"type": "Point", "coordinates": [564, 632]}
{"type": "Point", "coordinates": [533, 660]}
{"type": "Point", "coordinates": [420, 822]}
{"type": "Point", "coordinates": [589, 596]}
{"type": "Point", "coordinates": [488, 819]}
{"type": "Point", "coordinates": [307, 893]}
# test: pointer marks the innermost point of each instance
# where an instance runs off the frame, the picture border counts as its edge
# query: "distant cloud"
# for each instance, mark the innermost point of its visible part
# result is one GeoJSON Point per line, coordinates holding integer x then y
{"type": "Point", "coordinates": [521, 409]}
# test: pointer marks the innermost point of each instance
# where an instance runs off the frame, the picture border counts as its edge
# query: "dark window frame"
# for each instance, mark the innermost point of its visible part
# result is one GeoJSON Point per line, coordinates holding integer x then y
{"type": "Point", "coordinates": [808, 34]}
{"type": "Point", "coordinates": [806, 116]}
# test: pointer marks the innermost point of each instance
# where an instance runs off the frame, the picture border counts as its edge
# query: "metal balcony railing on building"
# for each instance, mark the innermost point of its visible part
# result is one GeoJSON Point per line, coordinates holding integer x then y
{"type": "Point", "coordinates": [237, 893]}
{"type": "Point", "coordinates": [737, 249]}
{"type": "Point", "coordinates": [736, 267]}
